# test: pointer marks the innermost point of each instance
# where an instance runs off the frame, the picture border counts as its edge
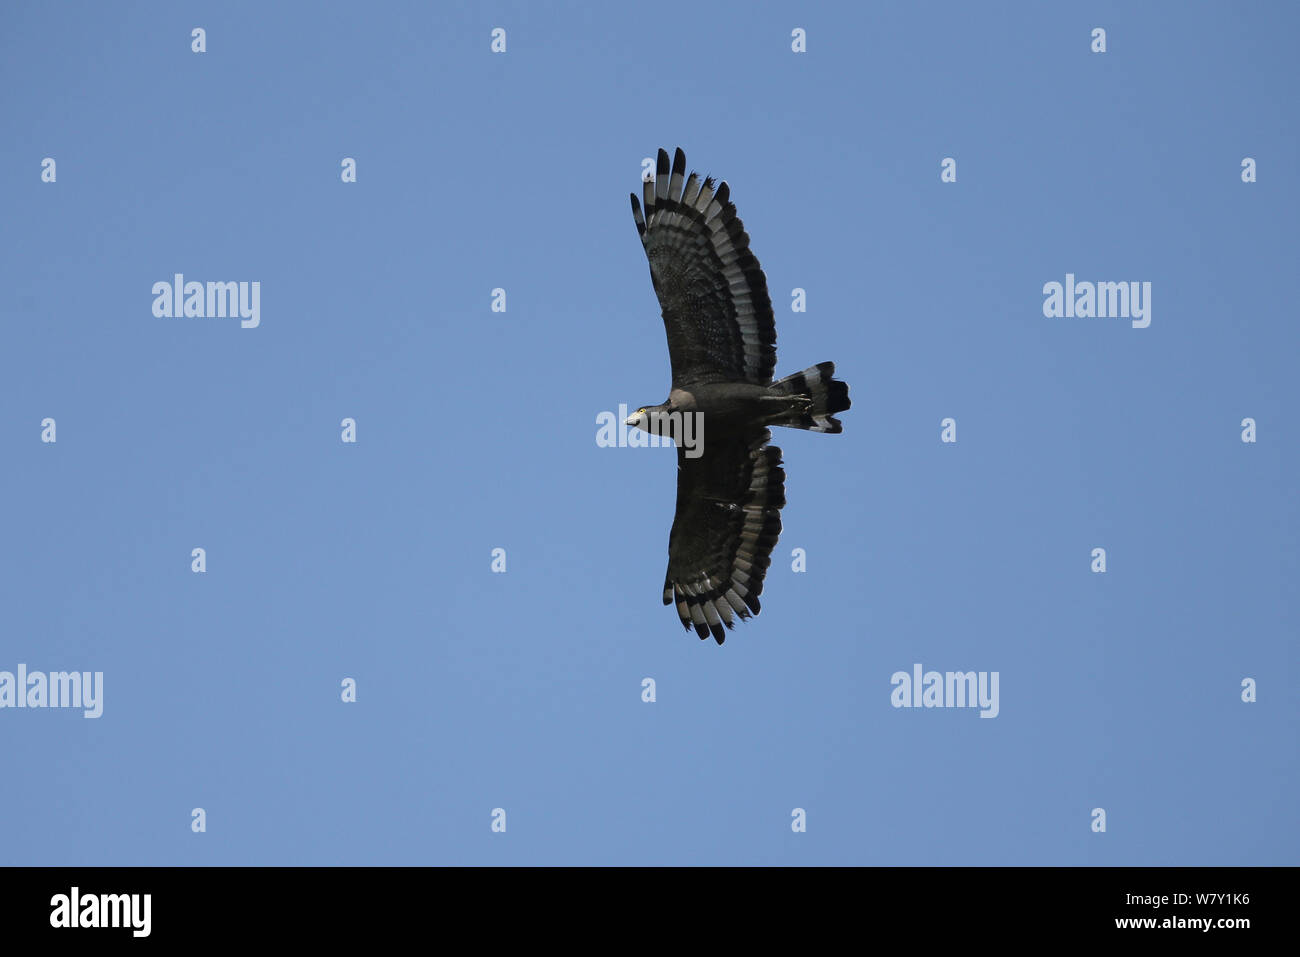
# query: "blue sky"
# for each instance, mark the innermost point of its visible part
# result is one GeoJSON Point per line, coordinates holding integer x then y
{"type": "Point", "coordinates": [476, 430]}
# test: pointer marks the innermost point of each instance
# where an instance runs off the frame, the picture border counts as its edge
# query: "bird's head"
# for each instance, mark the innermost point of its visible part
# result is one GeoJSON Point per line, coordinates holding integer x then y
{"type": "Point", "coordinates": [650, 419]}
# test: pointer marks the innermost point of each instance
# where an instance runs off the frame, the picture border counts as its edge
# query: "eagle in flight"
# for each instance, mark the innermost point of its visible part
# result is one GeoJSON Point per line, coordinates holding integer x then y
{"type": "Point", "coordinates": [722, 345]}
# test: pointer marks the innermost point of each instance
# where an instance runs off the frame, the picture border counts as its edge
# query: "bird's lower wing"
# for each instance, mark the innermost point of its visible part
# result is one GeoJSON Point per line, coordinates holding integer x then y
{"type": "Point", "coordinates": [728, 519]}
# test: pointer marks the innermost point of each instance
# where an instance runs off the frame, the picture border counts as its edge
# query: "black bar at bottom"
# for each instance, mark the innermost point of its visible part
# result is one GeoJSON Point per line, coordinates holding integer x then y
{"type": "Point", "coordinates": [651, 905]}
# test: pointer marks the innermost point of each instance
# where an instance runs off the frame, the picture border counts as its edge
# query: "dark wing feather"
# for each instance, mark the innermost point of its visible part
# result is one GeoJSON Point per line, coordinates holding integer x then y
{"type": "Point", "coordinates": [712, 290]}
{"type": "Point", "coordinates": [728, 519]}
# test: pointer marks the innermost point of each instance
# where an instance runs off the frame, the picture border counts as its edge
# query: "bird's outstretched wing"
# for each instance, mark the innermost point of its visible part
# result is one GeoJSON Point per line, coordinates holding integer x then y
{"type": "Point", "coordinates": [713, 292]}
{"type": "Point", "coordinates": [728, 519]}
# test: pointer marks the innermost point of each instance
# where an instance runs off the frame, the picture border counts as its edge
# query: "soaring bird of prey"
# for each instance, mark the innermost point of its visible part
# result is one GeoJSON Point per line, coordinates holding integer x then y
{"type": "Point", "coordinates": [722, 344]}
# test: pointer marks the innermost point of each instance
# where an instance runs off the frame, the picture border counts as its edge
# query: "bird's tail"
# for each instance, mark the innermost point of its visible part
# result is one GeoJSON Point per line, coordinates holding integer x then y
{"type": "Point", "coordinates": [820, 396]}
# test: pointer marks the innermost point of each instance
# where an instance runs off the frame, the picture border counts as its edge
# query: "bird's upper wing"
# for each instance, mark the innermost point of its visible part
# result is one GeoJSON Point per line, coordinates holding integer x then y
{"type": "Point", "coordinates": [712, 290]}
{"type": "Point", "coordinates": [728, 519]}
